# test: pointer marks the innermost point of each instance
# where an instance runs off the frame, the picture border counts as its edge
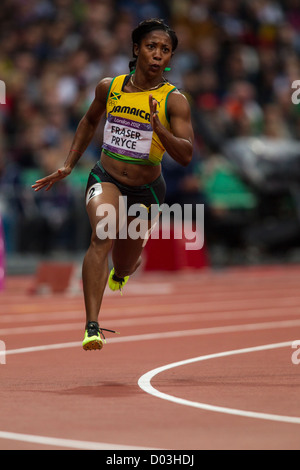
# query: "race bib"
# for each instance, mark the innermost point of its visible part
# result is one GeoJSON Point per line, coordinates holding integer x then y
{"type": "Point", "coordinates": [127, 137]}
{"type": "Point", "coordinates": [93, 191]}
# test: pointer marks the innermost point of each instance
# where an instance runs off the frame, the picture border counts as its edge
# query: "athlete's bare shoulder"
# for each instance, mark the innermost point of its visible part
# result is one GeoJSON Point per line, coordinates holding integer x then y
{"type": "Point", "coordinates": [98, 106]}
{"type": "Point", "coordinates": [178, 103]}
{"type": "Point", "coordinates": [102, 88]}
{"type": "Point", "coordinates": [177, 95]}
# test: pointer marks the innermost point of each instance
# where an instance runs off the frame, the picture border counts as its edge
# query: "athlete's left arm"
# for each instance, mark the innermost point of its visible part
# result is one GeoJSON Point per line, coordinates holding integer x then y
{"type": "Point", "coordinates": [179, 142]}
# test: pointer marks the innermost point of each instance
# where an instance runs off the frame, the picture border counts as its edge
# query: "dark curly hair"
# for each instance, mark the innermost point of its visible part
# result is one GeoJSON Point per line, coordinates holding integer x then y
{"type": "Point", "coordinates": [146, 27]}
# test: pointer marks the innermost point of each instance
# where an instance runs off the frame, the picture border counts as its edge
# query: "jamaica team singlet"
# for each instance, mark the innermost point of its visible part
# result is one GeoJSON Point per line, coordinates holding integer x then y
{"type": "Point", "coordinates": [128, 134]}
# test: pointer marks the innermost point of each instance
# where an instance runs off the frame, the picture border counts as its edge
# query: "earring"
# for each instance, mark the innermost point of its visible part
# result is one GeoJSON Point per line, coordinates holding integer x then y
{"type": "Point", "coordinates": [167, 69]}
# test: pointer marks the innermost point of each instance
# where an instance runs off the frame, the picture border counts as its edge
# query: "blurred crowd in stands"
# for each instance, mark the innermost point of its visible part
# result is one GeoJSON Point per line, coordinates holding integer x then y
{"type": "Point", "coordinates": [236, 63]}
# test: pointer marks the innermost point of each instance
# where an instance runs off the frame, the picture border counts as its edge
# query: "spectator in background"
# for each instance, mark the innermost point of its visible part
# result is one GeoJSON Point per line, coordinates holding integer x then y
{"type": "Point", "coordinates": [236, 59]}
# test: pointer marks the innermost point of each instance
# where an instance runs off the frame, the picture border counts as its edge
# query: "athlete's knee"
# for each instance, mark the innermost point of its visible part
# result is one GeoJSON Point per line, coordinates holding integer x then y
{"type": "Point", "coordinates": [100, 244]}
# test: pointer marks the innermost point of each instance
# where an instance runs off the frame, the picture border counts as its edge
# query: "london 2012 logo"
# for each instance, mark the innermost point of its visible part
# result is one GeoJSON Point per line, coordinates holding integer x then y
{"type": "Point", "coordinates": [2, 92]}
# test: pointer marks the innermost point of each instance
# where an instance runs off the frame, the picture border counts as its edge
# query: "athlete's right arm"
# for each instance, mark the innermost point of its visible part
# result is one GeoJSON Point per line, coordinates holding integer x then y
{"type": "Point", "coordinates": [88, 124]}
{"type": "Point", "coordinates": [82, 138]}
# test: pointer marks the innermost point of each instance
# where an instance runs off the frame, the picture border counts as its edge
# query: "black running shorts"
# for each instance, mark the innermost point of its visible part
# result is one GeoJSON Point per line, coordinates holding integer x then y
{"type": "Point", "coordinates": [152, 194]}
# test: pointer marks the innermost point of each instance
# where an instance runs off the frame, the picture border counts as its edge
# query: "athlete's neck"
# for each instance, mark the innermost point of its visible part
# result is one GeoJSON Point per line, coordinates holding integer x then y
{"type": "Point", "coordinates": [143, 83]}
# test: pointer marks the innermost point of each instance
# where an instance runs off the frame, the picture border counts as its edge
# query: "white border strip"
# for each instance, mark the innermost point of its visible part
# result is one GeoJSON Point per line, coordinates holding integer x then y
{"type": "Point", "coordinates": [67, 443]}
{"type": "Point", "coordinates": [145, 385]}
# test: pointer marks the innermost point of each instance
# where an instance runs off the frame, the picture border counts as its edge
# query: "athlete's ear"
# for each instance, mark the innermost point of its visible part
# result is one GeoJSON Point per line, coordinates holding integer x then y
{"type": "Point", "coordinates": [136, 50]}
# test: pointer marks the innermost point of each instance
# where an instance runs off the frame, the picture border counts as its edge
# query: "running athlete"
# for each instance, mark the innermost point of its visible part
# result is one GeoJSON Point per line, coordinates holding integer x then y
{"type": "Point", "coordinates": [145, 116]}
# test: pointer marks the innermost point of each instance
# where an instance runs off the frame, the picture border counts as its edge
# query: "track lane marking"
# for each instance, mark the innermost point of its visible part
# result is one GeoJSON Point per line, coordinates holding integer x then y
{"type": "Point", "coordinates": [101, 446]}
{"type": "Point", "coordinates": [144, 383]}
{"type": "Point", "coordinates": [192, 298]}
{"type": "Point", "coordinates": [144, 319]}
{"type": "Point", "coordinates": [66, 443]}
{"type": "Point", "coordinates": [135, 322]}
{"type": "Point", "coordinates": [164, 335]}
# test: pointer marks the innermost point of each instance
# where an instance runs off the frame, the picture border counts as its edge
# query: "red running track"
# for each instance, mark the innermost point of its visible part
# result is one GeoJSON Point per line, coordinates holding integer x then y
{"type": "Point", "coordinates": [230, 332]}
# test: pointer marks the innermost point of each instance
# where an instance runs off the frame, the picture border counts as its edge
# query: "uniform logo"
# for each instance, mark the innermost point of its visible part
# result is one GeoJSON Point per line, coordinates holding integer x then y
{"type": "Point", "coordinates": [158, 102]}
{"type": "Point", "coordinates": [133, 111]}
{"type": "Point", "coordinates": [115, 96]}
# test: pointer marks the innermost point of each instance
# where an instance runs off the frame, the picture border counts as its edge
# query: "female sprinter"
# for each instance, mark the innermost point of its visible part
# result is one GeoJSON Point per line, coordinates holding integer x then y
{"type": "Point", "coordinates": [145, 116]}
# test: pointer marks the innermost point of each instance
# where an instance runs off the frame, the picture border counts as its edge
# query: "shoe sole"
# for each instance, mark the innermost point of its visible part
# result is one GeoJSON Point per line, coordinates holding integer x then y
{"type": "Point", "coordinates": [93, 345]}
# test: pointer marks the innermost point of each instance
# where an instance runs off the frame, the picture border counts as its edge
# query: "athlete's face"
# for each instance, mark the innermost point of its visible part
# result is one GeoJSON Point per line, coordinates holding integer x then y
{"type": "Point", "coordinates": [154, 52]}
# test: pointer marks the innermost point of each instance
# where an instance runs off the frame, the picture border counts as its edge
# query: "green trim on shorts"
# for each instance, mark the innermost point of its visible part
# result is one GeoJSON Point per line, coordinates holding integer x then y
{"type": "Point", "coordinates": [120, 185]}
{"type": "Point", "coordinates": [153, 192]}
{"type": "Point", "coordinates": [96, 177]}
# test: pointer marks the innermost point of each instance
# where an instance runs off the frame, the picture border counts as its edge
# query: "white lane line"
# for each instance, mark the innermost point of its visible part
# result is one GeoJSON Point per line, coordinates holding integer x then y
{"type": "Point", "coordinates": [144, 383]}
{"type": "Point", "coordinates": [180, 303]}
{"type": "Point", "coordinates": [102, 446]}
{"type": "Point", "coordinates": [67, 443]}
{"type": "Point", "coordinates": [167, 334]}
{"type": "Point", "coordinates": [143, 320]}
{"type": "Point", "coordinates": [167, 319]}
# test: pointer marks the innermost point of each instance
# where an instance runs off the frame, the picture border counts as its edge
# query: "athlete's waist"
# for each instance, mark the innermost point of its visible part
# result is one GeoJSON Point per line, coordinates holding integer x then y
{"type": "Point", "coordinates": [152, 179]}
{"type": "Point", "coordinates": [130, 160]}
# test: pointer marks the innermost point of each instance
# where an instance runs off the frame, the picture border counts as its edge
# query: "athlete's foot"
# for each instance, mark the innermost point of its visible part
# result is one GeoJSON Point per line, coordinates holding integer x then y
{"type": "Point", "coordinates": [115, 282]}
{"type": "Point", "coordinates": [94, 337]}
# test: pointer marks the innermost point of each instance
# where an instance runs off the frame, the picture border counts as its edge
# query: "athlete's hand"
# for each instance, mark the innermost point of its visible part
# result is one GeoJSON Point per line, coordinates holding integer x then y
{"type": "Point", "coordinates": [49, 180]}
{"type": "Point", "coordinates": [154, 119]}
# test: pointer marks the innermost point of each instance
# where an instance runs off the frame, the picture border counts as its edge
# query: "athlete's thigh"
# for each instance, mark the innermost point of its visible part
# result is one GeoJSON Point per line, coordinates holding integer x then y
{"type": "Point", "coordinates": [104, 205]}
